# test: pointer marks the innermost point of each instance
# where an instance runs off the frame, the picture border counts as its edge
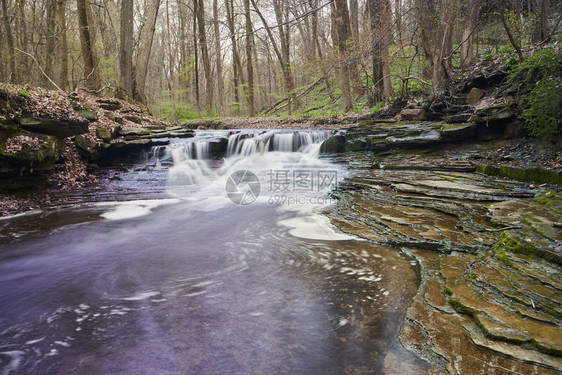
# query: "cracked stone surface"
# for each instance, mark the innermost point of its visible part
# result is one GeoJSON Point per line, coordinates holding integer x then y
{"type": "Point", "coordinates": [490, 299]}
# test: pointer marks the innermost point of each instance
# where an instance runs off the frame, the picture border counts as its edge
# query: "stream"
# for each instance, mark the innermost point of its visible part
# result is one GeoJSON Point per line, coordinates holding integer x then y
{"type": "Point", "coordinates": [193, 264]}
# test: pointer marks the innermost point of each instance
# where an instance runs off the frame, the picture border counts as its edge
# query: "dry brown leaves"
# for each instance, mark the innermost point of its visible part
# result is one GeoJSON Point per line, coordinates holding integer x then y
{"type": "Point", "coordinates": [23, 142]}
{"type": "Point", "coordinates": [10, 204]}
{"type": "Point", "coordinates": [71, 173]}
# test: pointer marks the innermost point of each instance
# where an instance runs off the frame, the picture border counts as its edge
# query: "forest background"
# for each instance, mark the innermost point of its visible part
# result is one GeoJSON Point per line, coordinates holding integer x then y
{"type": "Point", "coordinates": [188, 59]}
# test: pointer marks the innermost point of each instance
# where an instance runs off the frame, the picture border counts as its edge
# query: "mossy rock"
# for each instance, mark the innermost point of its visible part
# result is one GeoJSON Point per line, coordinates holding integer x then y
{"type": "Point", "coordinates": [104, 134]}
{"type": "Point", "coordinates": [26, 160]}
{"type": "Point", "coordinates": [537, 175]}
{"type": "Point", "coordinates": [87, 148]}
{"type": "Point", "coordinates": [88, 113]}
{"type": "Point", "coordinates": [109, 105]}
{"type": "Point", "coordinates": [134, 132]}
{"type": "Point", "coordinates": [458, 131]}
{"type": "Point", "coordinates": [135, 119]}
{"type": "Point", "coordinates": [357, 144]}
{"type": "Point", "coordinates": [61, 128]}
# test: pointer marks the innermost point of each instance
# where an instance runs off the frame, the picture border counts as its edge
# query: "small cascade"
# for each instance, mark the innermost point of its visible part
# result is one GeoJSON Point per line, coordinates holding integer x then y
{"type": "Point", "coordinates": [239, 144]}
{"type": "Point", "coordinates": [244, 144]}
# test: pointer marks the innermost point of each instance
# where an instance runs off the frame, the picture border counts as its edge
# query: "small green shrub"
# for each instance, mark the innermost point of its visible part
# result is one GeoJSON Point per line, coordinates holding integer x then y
{"type": "Point", "coordinates": [24, 93]}
{"type": "Point", "coordinates": [540, 76]}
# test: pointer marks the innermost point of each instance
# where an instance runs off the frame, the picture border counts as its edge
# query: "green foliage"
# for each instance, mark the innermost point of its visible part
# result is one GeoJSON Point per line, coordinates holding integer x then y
{"type": "Point", "coordinates": [23, 93]}
{"type": "Point", "coordinates": [184, 112]}
{"type": "Point", "coordinates": [541, 78]}
{"type": "Point", "coordinates": [506, 243]}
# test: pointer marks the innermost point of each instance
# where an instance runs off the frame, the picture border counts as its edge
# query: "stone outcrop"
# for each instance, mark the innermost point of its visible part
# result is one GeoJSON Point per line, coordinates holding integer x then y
{"type": "Point", "coordinates": [60, 128]}
{"type": "Point", "coordinates": [36, 124]}
{"type": "Point", "coordinates": [489, 254]}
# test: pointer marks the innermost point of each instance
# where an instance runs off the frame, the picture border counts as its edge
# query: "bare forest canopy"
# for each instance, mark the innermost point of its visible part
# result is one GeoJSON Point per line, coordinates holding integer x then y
{"type": "Point", "coordinates": [197, 58]}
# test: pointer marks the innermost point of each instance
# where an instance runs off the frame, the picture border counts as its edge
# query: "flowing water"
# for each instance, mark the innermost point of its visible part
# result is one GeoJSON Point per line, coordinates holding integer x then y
{"type": "Point", "coordinates": [228, 268]}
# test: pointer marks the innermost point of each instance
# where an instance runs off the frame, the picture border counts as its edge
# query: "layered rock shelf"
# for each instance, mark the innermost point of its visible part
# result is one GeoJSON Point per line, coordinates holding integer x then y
{"type": "Point", "coordinates": [490, 254]}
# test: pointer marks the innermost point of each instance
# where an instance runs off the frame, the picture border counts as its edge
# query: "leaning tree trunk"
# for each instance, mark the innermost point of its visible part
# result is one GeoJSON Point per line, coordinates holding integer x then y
{"type": "Point", "coordinates": [442, 65]}
{"type": "Point", "coordinates": [93, 81]}
{"type": "Point", "coordinates": [471, 18]}
{"type": "Point", "coordinates": [145, 46]}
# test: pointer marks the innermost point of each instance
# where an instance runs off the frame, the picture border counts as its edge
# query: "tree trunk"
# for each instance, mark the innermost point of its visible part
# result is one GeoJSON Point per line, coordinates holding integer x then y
{"type": "Point", "coordinates": [196, 60]}
{"type": "Point", "coordinates": [283, 52]}
{"type": "Point", "coordinates": [238, 72]}
{"type": "Point", "coordinates": [375, 11]}
{"type": "Point", "coordinates": [63, 73]}
{"type": "Point", "coordinates": [51, 41]}
{"type": "Point", "coordinates": [218, 56]}
{"type": "Point", "coordinates": [249, 63]}
{"type": "Point", "coordinates": [541, 33]}
{"type": "Point", "coordinates": [145, 47]}
{"type": "Point", "coordinates": [471, 18]}
{"type": "Point", "coordinates": [87, 43]}
{"type": "Point", "coordinates": [126, 49]}
{"type": "Point", "coordinates": [10, 40]}
{"type": "Point", "coordinates": [205, 56]}
{"type": "Point", "coordinates": [386, 39]}
{"type": "Point", "coordinates": [171, 64]}
{"type": "Point", "coordinates": [354, 8]}
{"type": "Point", "coordinates": [426, 14]}
{"type": "Point", "coordinates": [515, 44]}
{"type": "Point", "coordinates": [442, 65]}
{"type": "Point", "coordinates": [343, 34]}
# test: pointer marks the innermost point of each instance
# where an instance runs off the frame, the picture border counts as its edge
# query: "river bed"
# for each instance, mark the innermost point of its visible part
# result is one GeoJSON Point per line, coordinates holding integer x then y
{"type": "Point", "coordinates": [184, 267]}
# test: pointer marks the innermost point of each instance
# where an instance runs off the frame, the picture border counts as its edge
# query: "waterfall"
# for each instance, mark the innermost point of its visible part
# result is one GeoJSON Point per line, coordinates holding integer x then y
{"type": "Point", "coordinates": [211, 144]}
{"type": "Point", "coordinates": [248, 143]}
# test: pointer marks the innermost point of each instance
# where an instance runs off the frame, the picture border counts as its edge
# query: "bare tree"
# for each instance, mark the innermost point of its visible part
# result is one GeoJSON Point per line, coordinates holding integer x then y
{"type": "Point", "coordinates": [87, 39]}
{"type": "Point", "coordinates": [218, 57]}
{"type": "Point", "coordinates": [200, 10]}
{"type": "Point", "coordinates": [342, 34]}
{"type": "Point", "coordinates": [470, 19]}
{"type": "Point", "coordinates": [249, 63]}
{"type": "Point", "coordinates": [126, 49]}
{"type": "Point", "coordinates": [63, 73]}
{"type": "Point", "coordinates": [10, 41]}
{"type": "Point", "coordinates": [145, 47]}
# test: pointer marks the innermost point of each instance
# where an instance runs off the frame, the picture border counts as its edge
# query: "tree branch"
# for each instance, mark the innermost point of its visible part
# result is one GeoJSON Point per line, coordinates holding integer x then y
{"type": "Point", "coordinates": [39, 67]}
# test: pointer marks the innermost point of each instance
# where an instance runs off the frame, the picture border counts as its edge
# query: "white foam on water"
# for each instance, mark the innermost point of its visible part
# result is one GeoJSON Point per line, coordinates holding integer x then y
{"type": "Point", "coordinates": [131, 209]}
{"type": "Point", "coordinates": [16, 357]}
{"type": "Point", "coordinates": [141, 296]}
{"type": "Point", "coordinates": [314, 227]}
{"type": "Point", "coordinates": [31, 342]}
{"type": "Point", "coordinates": [27, 213]}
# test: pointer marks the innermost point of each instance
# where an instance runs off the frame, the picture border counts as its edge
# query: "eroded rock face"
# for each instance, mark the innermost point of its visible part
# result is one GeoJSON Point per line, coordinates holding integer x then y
{"type": "Point", "coordinates": [412, 114]}
{"type": "Point", "coordinates": [474, 95]}
{"type": "Point", "coordinates": [61, 128]}
{"type": "Point", "coordinates": [25, 156]}
{"type": "Point", "coordinates": [490, 260]}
